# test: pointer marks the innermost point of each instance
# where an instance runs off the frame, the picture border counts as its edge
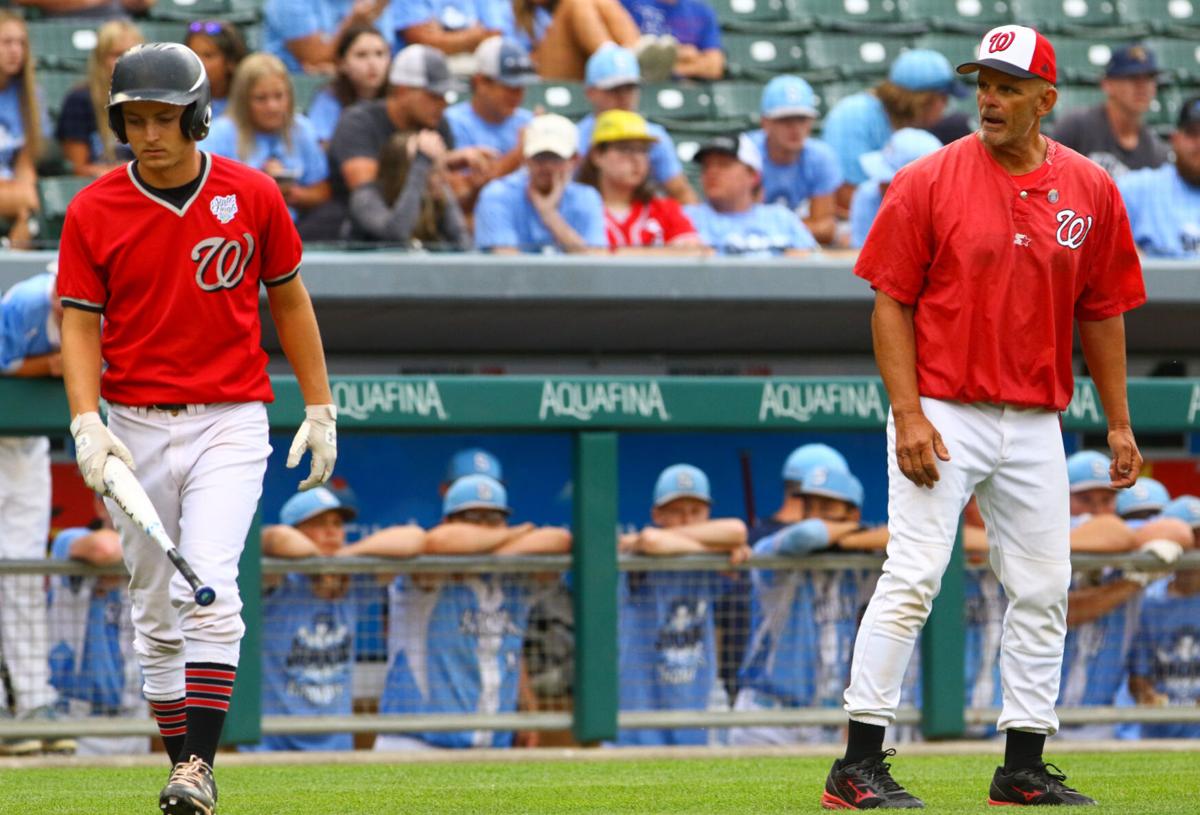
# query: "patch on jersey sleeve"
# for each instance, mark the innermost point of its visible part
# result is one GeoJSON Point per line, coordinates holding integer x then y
{"type": "Point", "coordinates": [224, 207]}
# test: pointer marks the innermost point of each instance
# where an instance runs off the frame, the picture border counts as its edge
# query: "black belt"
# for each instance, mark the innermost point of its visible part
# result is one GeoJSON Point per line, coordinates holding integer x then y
{"type": "Point", "coordinates": [172, 408]}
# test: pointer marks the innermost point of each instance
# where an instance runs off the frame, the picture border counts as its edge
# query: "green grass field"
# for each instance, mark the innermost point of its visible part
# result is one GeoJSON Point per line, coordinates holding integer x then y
{"type": "Point", "coordinates": [1125, 783]}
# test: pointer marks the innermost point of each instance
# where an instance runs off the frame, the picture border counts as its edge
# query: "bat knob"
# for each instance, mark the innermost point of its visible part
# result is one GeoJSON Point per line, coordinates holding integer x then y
{"type": "Point", "coordinates": [205, 596]}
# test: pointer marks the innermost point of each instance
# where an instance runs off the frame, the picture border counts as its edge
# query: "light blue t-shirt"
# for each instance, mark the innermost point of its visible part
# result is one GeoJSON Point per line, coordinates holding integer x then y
{"type": "Point", "coordinates": [293, 19]}
{"type": "Point", "coordinates": [1165, 652]}
{"type": "Point", "coordinates": [816, 171]}
{"type": "Point", "coordinates": [451, 14]}
{"type": "Point", "coordinates": [864, 206]}
{"type": "Point", "coordinates": [470, 129]}
{"type": "Point", "coordinates": [323, 113]}
{"type": "Point", "coordinates": [498, 15]}
{"type": "Point", "coordinates": [761, 231]}
{"type": "Point", "coordinates": [505, 217]}
{"type": "Point", "coordinates": [985, 606]}
{"type": "Point", "coordinates": [1164, 212]}
{"type": "Point", "coordinates": [218, 107]}
{"type": "Point", "coordinates": [457, 648]}
{"type": "Point", "coordinates": [1094, 655]}
{"type": "Point", "coordinates": [664, 163]}
{"type": "Point", "coordinates": [12, 128]}
{"type": "Point", "coordinates": [858, 124]}
{"type": "Point", "coordinates": [27, 325]}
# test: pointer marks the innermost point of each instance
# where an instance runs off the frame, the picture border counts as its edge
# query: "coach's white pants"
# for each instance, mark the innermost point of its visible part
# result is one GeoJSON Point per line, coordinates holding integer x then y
{"type": "Point", "coordinates": [1013, 460]}
{"type": "Point", "coordinates": [24, 529]}
{"type": "Point", "coordinates": [203, 470]}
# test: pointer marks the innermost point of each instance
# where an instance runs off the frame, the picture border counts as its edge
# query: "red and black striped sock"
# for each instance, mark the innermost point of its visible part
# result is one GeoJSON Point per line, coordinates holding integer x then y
{"type": "Point", "coordinates": [209, 686]}
{"type": "Point", "coordinates": [171, 718]}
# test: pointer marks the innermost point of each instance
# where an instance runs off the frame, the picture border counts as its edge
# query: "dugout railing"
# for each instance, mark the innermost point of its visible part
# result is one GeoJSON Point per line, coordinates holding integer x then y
{"type": "Point", "coordinates": [594, 411]}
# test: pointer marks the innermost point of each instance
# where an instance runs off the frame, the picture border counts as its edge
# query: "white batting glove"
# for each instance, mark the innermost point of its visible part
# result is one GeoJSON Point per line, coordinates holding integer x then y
{"type": "Point", "coordinates": [1165, 550]}
{"type": "Point", "coordinates": [94, 443]}
{"type": "Point", "coordinates": [317, 434]}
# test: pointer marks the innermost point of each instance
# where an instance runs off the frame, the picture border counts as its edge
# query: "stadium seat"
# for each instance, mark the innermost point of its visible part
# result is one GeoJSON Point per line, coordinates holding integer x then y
{"type": "Point", "coordinates": [565, 98]}
{"type": "Point", "coordinates": [55, 85]}
{"type": "Point", "coordinates": [736, 104]}
{"type": "Point", "coordinates": [847, 15]}
{"type": "Point", "coordinates": [62, 44]}
{"type": "Point", "coordinates": [1071, 16]}
{"type": "Point", "coordinates": [1073, 97]}
{"type": "Point", "coordinates": [164, 30]}
{"type": "Point", "coordinates": [1179, 18]}
{"type": "Point", "coordinates": [974, 16]}
{"type": "Point", "coordinates": [846, 56]}
{"type": "Point", "coordinates": [55, 193]}
{"type": "Point", "coordinates": [1083, 59]}
{"type": "Point", "coordinates": [671, 102]}
{"type": "Point", "coordinates": [830, 93]}
{"type": "Point", "coordinates": [231, 11]}
{"type": "Point", "coordinates": [1180, 58]}
{"type": "Point", "coordinates": [686, 145]}
{"type": "Point", "coordinates": [758, 56]}
{"type": "Point", "coordinates": [751, 15]}
{"type": "Point", "coordinates": [1164, 111]}
{"type": "Point", "coordinates": [954, 47]}
{"type": "Point", "coordinates": [305, 87]}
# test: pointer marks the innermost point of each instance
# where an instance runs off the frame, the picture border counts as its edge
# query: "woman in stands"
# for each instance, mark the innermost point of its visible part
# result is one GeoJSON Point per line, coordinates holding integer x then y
{"type": "Point", "coordinates": [362, 65]}
{"type": "Point", "coordinates": [221, 48]}
{"type": "Point", "coordinates": [87, 140]}
{"type": "Point", "coordinates": [410, 202]}
{"type": "Point", "coordinates": [23, 126]}
{"type": "Point", "coordinates": [638, 220]}
{"type": "Point", "coordinates": [262, 129]}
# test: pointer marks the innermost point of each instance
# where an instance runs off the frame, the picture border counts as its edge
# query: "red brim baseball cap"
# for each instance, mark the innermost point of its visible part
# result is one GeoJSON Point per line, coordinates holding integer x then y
{"type": "Point", "coordinates": [1016, 50]}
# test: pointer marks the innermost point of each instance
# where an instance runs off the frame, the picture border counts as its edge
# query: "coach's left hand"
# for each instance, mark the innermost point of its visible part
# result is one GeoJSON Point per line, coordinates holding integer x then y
{"type": "Point", "coordinates": [1126, 460]}
{"type": "Point", "coordinates": [317, 434]}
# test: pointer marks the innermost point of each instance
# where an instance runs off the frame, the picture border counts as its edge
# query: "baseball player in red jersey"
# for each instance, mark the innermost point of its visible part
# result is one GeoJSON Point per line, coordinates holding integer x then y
{"type": "Point", "coordinates": [983, 256]}
{"type": "Point", "coordinates": [169, 251]}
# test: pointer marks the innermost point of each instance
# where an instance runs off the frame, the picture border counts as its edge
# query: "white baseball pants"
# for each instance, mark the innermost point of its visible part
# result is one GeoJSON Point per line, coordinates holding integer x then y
{"type": "Point", "coordinates": [1013, 460]}
{"type": "Point", "coordinates": [203, 470]}
{"type": "Point", "coordinates": [24, 530]}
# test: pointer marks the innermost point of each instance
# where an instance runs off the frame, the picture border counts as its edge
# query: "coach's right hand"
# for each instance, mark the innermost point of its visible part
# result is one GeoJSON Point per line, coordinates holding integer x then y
{"type": "Point", "coordinates": [94, 443]}
{"type": "Point", "coordinates": [917, 444]}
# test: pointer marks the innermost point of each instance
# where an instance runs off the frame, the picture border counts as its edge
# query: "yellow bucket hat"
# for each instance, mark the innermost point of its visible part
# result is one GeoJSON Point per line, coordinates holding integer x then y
{"type": "Point", "coordinates": [620, 125]}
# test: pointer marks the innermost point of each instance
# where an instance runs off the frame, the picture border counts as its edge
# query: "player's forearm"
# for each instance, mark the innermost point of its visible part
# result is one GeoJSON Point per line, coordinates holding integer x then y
{"type": "Point", "coordinates": [866, 540]}
{"type": "Point", "coordinates": [547, 540]}
{"type": "Point", "coordinates": [81, 360]}
{"type": "Point", "coordinates": [722, 533]}
{"type": "Point", "coordinates": [446, 41]}
{"type": "Point", "coordinates": [39, 366]}
{"type": "Point", "coordinates": [1103, 533]}
{"type": "Point", "coordinates": [300, 337]}
{"type": "Point", "coordinates": [464, 539]}
{"type": "Point", "coordinates": [1103, 344]}
{"type": "Point", "coordinates": [567, 238]}
{"type": "Point", "coordinates": [395, 541]}
{"type": "Point", "coordinates": [668, 543]}
{"type": "Point", "coordinates": [287, 542]}
{"type": "Point", "coordinates": [1092, 603]}
{"type": "Point", "coordinates": [895, 346]}
{"type": "Point", "coordinates": [709, 64]}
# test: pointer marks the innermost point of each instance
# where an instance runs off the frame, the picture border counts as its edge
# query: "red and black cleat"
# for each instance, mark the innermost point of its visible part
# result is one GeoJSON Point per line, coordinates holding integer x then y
{"type": "Point", "coordinates": [866, 784]}
{"type": "Point", "coordinates": [1034, 787]}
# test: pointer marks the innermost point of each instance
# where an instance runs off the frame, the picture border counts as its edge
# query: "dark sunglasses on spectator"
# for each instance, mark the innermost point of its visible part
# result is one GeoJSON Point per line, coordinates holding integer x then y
{"type": "Point", "coordinates": [206, 27]}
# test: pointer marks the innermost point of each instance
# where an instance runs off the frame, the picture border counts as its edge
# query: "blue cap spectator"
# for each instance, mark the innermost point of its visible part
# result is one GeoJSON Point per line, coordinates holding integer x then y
{"type": "Point", "coordinates": [475, 492]}
{"type": "Point", "coordinates": [1146, 496]}
{"type": "Point", "coordinates": [924, 70]}
{"type": "Point", "coordinates": [808, 457]}
{"type": "Point", "coordinates": [788, 96]}
{"type": "Point", "coordinates": [1186, 508]}
{"type": "Point", "coordinates": [612, 67]}
{"type": "Point", "coordinates": [1088, 470]}
{"type": "Point", "coordinates": [473, 461]}
{"type": "Point", "coordinates": [681, 481]}
{"type": "Point", "coordinates": [880, 166]}
{"type": "Point", "coordinates": [834, 483]}
{"type": "Point", "coordinates": [308, 504]}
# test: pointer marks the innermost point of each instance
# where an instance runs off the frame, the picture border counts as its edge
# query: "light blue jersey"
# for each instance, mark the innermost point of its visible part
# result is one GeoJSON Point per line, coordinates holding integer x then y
{"type": "Point", "coordinates": [864, 206]}
{"type": "Point", "coordinates": [470, 129]}
{"type": "Point", "coordinates": [323, 113]}
{"type": "Point", "coordinates": [667, 657]}
{"type": "Point", "coordinates": [456, 648]}
{"type": "Point", "coordinates": [985, 606]}
{"type": "Point", "coordinates": [1094, 655]}
{"type": "Point", "coordinates": [307, 659]}
{"type": "Point", "coordinates": [27, 324]}
{"type": "Point", "coordinates": [816, 171]}
{"type": "Point", "coordinates": [664, 162]}
{"type": "Point", "coordinates": [218, 107]}
{"type": "Point", "coordinates": [498, 15]}
{"type": "Point", "coordinates": [294, 19]}
{"type": "Point", "coordinates": [858, 124]}
{"type": "Point", "coordinates": [1167, 652]}
{"type": "Point", "coordinates": [1164, 212]}
{"type": "Point", "coordinates": [761, 231]}
{"type": "Point", "coordinates": [450, 14]}
{"type": "Point", "coordinates": [12, 128]}
{"type": "Point", "coordinates": [505, 217]}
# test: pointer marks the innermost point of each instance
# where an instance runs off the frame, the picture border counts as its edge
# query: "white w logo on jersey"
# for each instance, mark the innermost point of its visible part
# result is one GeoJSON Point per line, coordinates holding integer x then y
{"type": "Point", "coordinates": [1072, 228]}
{"type": "Point", "coordinates": [227, 258]}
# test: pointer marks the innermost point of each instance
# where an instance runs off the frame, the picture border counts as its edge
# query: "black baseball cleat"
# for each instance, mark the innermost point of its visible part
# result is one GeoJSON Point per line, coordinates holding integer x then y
{"type": "Point", "coordinates": [1037, 786]}
{"type": "Point", "coordinates": [866, 784]}
{"type": "Point", "coordinates": [190, 790]}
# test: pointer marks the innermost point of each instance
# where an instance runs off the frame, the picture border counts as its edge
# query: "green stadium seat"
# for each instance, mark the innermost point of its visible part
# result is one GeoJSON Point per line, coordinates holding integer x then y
{"type": "Point", "coordinates": [686, 145]}
{"type": "Point", "coordinates": [954, 47]}
{"type": "Point", "coordinates": [1071, 16]}
{"type": "Point", "coordinates": [847, 15]}
{"type": "Point", "coordinates": [830, 93]}
{"type": "Point", "coordinates": [1180, 18]}
{"type": "Point", "coordinates": [671, 102]}
{"type": "Point", "coordinates": [975, 16]}
{"type": "Point", "coordinates": [751, 15]}
{"type": "Point", "coordinates": [1180, 58]}
{"type": "Point", "coordinates": [55, 86]}
{"type": "Point", "coordinates": [736, 104]}
{"type": "Point", "coordinates": [1075, 97]}
{"type": "Point", "coordinates": [1083, 59]}
{"type": "Point", "coordinates": [843, 56]}
{"type": "Point", "coordinates": [565, 98]}
{"type": "Point", "coordinates": [1164, 111]}
{"type": "Point", "coordinates": [163, 30]}
{"type": "Point", "coordinates": [62, 44]}
{"type": "Point", "coordinates": [231, 11]}
{"type": "Point", "coordinates": [55, 193]}
{"type": "Point", "coordinates": [305, 87]}
{"type": "Point", "coordinates": [758, 56]}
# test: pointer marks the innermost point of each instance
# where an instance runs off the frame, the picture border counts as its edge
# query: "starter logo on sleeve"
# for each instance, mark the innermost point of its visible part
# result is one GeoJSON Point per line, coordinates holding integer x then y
{"type": "Point", "coordinates": [1072, 228]}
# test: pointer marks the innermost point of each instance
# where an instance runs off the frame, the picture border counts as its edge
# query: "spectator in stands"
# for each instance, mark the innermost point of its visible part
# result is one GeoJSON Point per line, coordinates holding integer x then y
{"type": "Point", "coordinates": [451, 26]}
{"type": "Point", "coordinates": [1164, 203]}
{"type": "Point", "coordinates": [493, 117]}
{"type": "Point", "coordinates": [470, 461]}
{"type": "Point", "coordinates": [308, 624]}
{"type": "Point", "coordinates": [221, 48]}
{"type": "Point", "coordinates": [618, 166]}
{"type": "Point", "coordinates": [799, 171]}
{"type": "Point", "coordinates": [304, 33]}
{"type": "Point", "coordinates": [667, 653]}
{"type": "Point", "coordinates": [410, 202]}
{"type": "Point", "coordinates": [542, 208]}
{"type": "Point", "coordinates": [1164, 668]}
{"type": "Point", "coordinates": [92, 664]}
{"type": "Point", "coordinates": [915, 94]}
{"type": "Point", "coordinates": [456, 643]}
{"type": "Point", "coordinates": [1114, 133]}
{"type": "Point", "coordinates": [88, 143]}
{"type": "Point", "coordinates": [693, 24]}
{"type": "Point", "coordinates": [263, 130]}
{"type": "Point", "coordinates": [23, 128]}
{"type": "Point", "coordinates": [731, 220]}
{"type": "Point", "coordinates": [362, 56]}
{"type": "Point", "coordinates": [614, 83]}
{"type": "Point", "coordinates": [99, 9]}
{"type": "Point", "coordinates": [904, 146]}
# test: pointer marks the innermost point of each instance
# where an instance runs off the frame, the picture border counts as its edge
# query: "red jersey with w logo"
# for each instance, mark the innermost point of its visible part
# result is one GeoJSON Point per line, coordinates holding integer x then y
{"type": "Point", "coordinates": [163, 276]}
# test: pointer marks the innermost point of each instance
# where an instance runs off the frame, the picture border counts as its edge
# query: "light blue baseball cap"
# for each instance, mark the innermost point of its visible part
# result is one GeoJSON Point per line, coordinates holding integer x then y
{"type": "Point", "coordinates": [788, 96]}
{"type": "Point", "coordinates": [681, 481]}
{"type": "Point", "coordinates": [833, 482]}
{"type": "Point", "coordinates": [612, 66]}
{"type": "Point", "coordinates": [310, 503]}
{"type": "Point", "coordinates": [473, 461]}
{"type": "Point", "coordinates": [808, 456]}
{"type": "Point", "coordinates": [1088, 470]}
{"type": "Point", "coordinates": [1186, 508]}
{"type": "Point", "coordinates": [475, 492]}
{"type": "Point", "coordinates": [1146, 494]}
{"type": "Point", "coordinates": [904, 146]}
{"type": "Point", "coordinates": [921, 69]}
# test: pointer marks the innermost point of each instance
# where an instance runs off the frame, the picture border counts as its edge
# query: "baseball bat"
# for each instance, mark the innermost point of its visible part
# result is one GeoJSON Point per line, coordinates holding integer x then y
{"type": "Point", "coordinates": [125, 489]}
{"type": "Point", "coordinates": [748, 487]}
